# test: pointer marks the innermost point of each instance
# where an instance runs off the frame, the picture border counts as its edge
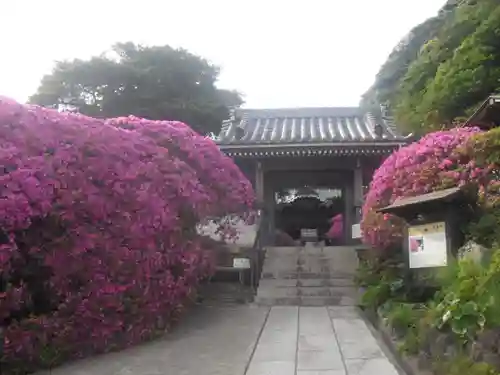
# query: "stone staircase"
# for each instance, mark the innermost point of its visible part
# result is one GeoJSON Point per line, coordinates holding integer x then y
{"type": "Point", "coordinates": [308, 276]}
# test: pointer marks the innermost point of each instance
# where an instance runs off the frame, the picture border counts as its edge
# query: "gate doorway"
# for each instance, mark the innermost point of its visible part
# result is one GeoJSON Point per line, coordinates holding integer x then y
{"type": "Point", "coordinates": [311, 207]}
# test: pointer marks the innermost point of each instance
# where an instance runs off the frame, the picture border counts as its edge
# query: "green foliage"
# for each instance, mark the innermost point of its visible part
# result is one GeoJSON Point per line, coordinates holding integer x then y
{"type": "Point", "coordinates": [449, 65]}
{"type": "Point", "coordinates": [407, 50]}
{"type": "Point", "coordinates": [404, 319]}
{"type": "Point", "coordinates": [398, 61]}
{"type": "Point", "coordinates": [382, 281]}
{"type": "Point", "coordinates": [482, 152]}
{"type": "Point", "coordinates": [463, 365]}
{"type": "Point", "coordinates": [403, 316]}
{"type": "Point", "coordinates": [469, 302]}
{"type": "Point", "coordinates": [484, 230]}
{"type": "Point", "coordinates": [157, 83]}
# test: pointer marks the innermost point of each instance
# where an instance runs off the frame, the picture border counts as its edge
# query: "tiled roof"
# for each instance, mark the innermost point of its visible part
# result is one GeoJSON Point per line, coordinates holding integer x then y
{"type": "Point", "coordinates": [424, 198]}
{"type": "Point", "coordinates": [487, 115]}
{"type": "Point", "coordinates": [304, 126]}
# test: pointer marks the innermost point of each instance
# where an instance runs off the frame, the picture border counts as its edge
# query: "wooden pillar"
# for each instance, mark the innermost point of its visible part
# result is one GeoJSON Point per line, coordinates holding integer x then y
{"type": "Point", "coordinates": [259, 183]}
{"type": "Point", "coordinates": [358, 191]}
{"type": "Point", "coordinates": [348, 210]}
{"type": "Point", "coordinates": [269, 203]}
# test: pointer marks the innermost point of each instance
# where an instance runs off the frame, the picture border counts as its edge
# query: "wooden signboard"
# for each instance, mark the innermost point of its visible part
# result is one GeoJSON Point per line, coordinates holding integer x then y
{"type": "Point", "coordinates": [427, 245]}
{"type": "Point", "coordinates": [241, 263]}
{"type": "Point", "coordinates": [310, 235]}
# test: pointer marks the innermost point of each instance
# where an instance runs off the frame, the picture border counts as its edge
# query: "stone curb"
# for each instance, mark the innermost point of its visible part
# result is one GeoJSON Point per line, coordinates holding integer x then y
{"type": "Point", "coordinates": [403, 364]}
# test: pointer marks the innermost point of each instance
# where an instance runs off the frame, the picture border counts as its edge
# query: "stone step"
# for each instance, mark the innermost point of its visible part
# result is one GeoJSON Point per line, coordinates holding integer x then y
{"type": "Point", "coordinates": [308, 276]}
{"type": "Point", "coordinates": [309, 261]}
{"type": "Point", "coordinates": [287, 283]}
{"type": "Point", "coordinates": [278, 283]}
{"type": "Point", "coordinates": [302, 261]}
{"type": "Point", "coordinates": [306, 301]}
{"type": "Point", "coordinates": [314, 251]}
{"type": "Point", "coordinates": [326, 282]}
{"type": "Point", "coordinates": [306, 272]}
{"type": "Point", "coordinates": [294, 274]}
{"type": "Point", "coordinates": [310, 291]}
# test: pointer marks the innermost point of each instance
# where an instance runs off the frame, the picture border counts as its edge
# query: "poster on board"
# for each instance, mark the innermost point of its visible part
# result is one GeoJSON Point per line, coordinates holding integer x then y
{"type": "Point", "coordinates": [427, 245]}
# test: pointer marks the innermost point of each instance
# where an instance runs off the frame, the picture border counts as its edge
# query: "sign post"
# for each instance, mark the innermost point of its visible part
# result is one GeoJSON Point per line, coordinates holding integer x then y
{"type": "Point", "coordinates": [433, 234]}
{"type": "Point", "coordinates": [427, 245]}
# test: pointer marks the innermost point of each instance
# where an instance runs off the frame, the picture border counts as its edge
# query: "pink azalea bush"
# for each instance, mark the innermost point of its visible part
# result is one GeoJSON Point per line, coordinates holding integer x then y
{"type": "Point", "coordinates": [336, 230]}
{"type": "Point", "coordinates": [98, 247]}
{"type": "Point", "coordinates": [432, 163]}
{"type": "Point", "coordinates": [215, 169]}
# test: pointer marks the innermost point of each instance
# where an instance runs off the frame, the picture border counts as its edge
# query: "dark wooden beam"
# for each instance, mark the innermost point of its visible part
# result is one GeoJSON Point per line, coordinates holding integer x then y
{"type": "Point", "coordinates": [358, 190]}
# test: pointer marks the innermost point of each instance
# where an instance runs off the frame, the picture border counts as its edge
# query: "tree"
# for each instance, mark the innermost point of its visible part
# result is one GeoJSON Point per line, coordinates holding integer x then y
{"type": "Point", "coordinates": [444, 69]}
{"type": "Point", "coordinates": [157, 83]}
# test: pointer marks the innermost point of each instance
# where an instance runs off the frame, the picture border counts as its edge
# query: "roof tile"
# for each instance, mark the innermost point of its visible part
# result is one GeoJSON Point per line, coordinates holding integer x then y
{"type": "Point", "coordinates": [303, 126]}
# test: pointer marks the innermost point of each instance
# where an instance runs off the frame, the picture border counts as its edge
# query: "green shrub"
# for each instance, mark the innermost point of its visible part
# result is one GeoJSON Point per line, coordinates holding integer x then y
{"type": "Point", "coordinates": [463, 365]}
{"type": "Point", "coordinates": [404, 319]}
{"type": "Point", "coordinates": [469, 303]}
{"type": "Point", "coordinates": [382, 281]}
{"type": "Point", "coordinates": [404, 316]}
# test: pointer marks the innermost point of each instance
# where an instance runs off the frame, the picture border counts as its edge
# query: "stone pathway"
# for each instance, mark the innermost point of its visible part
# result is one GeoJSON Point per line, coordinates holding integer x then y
{"type": "Point", "coordinates": [250, 340]}
{"type": "Point", "coordinates": [318, 341]}
{"type": "Point", "coordinates": [216, 340]}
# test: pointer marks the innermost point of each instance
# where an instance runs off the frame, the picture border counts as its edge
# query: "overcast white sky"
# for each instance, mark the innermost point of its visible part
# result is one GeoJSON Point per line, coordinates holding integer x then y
{"type": "Point", "coordinates": [278, 53]}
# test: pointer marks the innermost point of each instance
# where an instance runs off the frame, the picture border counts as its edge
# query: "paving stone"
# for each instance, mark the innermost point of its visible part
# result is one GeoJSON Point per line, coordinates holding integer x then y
{"type": "Point", "coordinates": [318, 342]}
{"type": "Point", "coordinates": [274, 351]}
{"type": "Point", "coordinates": [319, 360]}
{"type": "Point", "coordinates": [317, 347]}
{"type": "Point", "coordinates": [270, 368]}
{"type": "Point", "coordinates": [343, 312]}
{"type": "Point", "coordinates": [373, 366]}
{"type": "Point", "coordinates": [321, 372]}
{"type": "Point", "coordinates": [350, 330]}
{"type": "Point", "coordinates": [278, 341]}
{"type": "Point", "coordinates": [314, 320]}
{"type": "Point", "coordinates": [362, 349]}
{"type": "Point", "coordinates": [278, 335]}
{"type": "Point", "coordinates": [283, 315]}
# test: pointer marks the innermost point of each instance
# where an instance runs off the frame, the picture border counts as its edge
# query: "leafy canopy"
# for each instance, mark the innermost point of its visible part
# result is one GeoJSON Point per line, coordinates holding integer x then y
{"type": "Point", "coordinates": [443, 69]}
{"type": "Point", "coordinates": [157, 83]}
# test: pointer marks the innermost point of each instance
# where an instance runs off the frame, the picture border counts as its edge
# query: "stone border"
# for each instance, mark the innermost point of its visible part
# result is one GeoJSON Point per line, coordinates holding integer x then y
{"type": "Point", "coordinates": [404, 364]}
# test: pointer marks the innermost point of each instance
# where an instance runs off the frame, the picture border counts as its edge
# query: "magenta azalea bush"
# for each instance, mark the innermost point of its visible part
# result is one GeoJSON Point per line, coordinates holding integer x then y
{"type": "Point", "coordinates": [98, 243]}
{"type": "Point", "coordinates": [336, 230]}
{"type": "Point", "coordinates": [432, 163]}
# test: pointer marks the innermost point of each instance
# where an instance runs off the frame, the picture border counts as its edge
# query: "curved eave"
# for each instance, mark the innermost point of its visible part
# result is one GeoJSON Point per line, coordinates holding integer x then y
{"type": "Point", "coordinates": [301, 150]}
{"type": "Point", "coordinates": [487, 116]}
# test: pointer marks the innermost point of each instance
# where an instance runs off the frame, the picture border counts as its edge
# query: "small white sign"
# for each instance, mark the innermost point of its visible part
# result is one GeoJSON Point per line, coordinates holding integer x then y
{"type": "Point", "coordinates": [307, 233]}
{"type": "Point", "coordinates": [427, 245]}
{"type": "Point", "coordinates": [356, 231]}
{"type": "Point", "coordinates": [243, 263]}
